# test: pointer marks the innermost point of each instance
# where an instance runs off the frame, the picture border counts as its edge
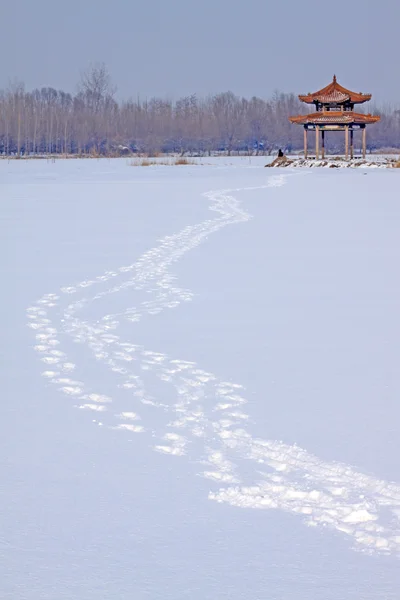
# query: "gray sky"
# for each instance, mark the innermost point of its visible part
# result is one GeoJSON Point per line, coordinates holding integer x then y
{"type": "Point", "coordinates": [176, 47]}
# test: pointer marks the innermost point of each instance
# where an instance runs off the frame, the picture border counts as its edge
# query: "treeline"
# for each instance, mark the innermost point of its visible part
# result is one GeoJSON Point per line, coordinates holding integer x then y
{"type": "Point", "coordinates": [49, 121]}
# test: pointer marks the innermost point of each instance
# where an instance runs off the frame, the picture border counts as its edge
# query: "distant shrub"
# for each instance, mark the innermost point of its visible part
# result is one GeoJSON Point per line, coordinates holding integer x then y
{"type": "Point", "coordinates": [143, 162]}
{"type": "Point", "coordinates": [184, 161]}
{"type": "Point", "coordinates": [147, 162]}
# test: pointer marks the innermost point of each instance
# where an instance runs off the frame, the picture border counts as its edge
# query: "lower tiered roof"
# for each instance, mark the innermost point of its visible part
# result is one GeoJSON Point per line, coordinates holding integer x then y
{"type": "Point", "coordinates": [334, 118]}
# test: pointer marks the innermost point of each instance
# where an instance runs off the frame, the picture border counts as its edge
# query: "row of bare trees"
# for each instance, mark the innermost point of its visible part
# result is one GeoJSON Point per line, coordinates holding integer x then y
{"type": "Point", "coordinates": [49, 121]}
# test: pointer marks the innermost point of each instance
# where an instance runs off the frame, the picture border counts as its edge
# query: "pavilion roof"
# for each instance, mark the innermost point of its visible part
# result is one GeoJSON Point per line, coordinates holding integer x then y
{"type": "Point", "coordinates": [331, 117]}
{"type": "Point", "coordinates": [335, 93]}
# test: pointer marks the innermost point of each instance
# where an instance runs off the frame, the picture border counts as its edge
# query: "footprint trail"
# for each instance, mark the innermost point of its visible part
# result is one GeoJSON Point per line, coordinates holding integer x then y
{"type": "Point", "coordinates": [190, 412]}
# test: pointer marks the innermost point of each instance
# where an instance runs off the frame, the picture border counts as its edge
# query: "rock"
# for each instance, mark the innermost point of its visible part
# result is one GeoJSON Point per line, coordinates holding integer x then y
{"type": "Point", "coordinates": [280, 161]}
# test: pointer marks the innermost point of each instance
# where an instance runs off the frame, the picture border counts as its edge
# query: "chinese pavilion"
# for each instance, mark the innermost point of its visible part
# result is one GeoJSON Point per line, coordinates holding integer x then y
{"type": "Point", "coordinates": [334, 107]}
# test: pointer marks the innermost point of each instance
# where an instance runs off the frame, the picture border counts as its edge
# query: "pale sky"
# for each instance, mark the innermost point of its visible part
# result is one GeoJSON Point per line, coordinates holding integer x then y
{"type": "Point", "coordinates": [177, 47]}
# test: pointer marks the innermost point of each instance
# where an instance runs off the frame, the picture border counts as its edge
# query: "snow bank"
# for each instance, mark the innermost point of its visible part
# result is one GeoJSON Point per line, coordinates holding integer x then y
{"type": "Point", "coordinates": [334, 163]}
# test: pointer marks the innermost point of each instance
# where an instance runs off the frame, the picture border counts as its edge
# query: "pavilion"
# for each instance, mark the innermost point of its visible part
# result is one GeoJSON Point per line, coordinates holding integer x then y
{"type": "Point", "coordinates": [334, 107]}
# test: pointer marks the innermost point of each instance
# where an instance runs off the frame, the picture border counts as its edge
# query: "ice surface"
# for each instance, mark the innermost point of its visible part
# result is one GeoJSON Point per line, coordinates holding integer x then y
{"type": "Point", "coordinates": [201, 384]}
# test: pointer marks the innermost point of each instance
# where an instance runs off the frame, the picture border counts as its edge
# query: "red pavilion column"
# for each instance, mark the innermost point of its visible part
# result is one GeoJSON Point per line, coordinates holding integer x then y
{"type": "Point", "coordinates": [364, 141]}
{"type": "Point", "coordinates": [305, 141]}
{"type": "Point", "coordinates": [351, 143]}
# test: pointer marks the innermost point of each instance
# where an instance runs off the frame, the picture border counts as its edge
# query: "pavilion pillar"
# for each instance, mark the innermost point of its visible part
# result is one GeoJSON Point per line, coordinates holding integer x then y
{"type": "Point", "coordinates": [364, 141]}
{"type": "Point", "coordinates": [317, 142]}
{"type": "Point", "coordinates": [346, 142]}
{"type": "Point", "coordinates": [351, 143]}
{"type": "Point", "coordinates": [323, 143]}
{"type": "Point", "coordinates": [305, 141]}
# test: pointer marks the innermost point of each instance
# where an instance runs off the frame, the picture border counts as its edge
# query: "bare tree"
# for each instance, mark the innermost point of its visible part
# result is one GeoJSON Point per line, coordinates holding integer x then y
{"type": "Point", "coordinates": [228, 110]}
{"type": "Point", "coordinates": [96, 86]}
{"type": "Point", "coordinates": [92, 121]}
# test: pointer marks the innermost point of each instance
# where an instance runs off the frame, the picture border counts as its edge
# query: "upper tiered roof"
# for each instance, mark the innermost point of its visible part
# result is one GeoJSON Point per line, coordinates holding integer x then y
{"type": "Point", "coordinates": [334, 93]}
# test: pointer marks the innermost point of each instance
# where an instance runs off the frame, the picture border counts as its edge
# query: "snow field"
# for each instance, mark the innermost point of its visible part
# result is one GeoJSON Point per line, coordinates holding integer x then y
{"type": "Point", "coordinates": [206, 421]}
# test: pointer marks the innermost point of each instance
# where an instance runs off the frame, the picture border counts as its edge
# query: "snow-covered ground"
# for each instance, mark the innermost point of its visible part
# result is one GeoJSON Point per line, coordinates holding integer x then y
{"type": "Point", "coordinates": [200, 382]}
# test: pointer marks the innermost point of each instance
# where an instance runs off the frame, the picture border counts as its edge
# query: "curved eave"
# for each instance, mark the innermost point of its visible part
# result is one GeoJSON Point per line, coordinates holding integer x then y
{"type": "Point", "coordinates": [319, 97]}
{"type": "Point", "coordinates": [340, 118]}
